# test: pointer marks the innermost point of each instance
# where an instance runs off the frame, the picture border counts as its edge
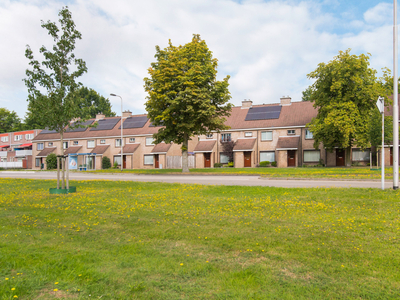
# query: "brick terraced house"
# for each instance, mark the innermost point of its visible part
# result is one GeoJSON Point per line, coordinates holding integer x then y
{"type": "Point", "coordinates": [268, 132]}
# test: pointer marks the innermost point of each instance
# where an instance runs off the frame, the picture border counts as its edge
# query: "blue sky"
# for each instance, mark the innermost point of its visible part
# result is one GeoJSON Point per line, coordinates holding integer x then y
{"type": "Point", "coordinates": [267, 47]}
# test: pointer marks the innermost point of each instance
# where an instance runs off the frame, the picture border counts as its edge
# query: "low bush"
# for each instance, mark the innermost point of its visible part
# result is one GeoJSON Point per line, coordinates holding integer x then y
{"type": "Point", "coordinates": [274, 163]}
{"type": "Point", "coordinates": [51, 161]}
{"type": "Point", "coordinates": [115, 165]}
{"type": "Point", "coordinates": [105, 163]}
{"type": "Point", "coordinates": [217, 165]}
{"type": "Point", "coordinates": [230, 164]}
{"type": "Point", "coordinates": [264, 164]}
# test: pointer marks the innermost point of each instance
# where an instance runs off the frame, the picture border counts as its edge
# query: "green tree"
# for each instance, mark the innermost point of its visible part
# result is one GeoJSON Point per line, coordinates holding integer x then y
{"type": "Point", "coordinates": [344, 92]}
{"type": "Point", "coordinates": [52, 84]}
{"type": "Point", "coordinates": [51, 161]}
{"type": "Point", "coordinates": [306, 94]}
{"type": "Point", "coordinates": [184, 96]}
{"type": "Point", "coordinates": [9, 121]}
{"type": "Point", "coordinates": [105, 163]}
{"type": "Point", "coordinates": [93, 103]}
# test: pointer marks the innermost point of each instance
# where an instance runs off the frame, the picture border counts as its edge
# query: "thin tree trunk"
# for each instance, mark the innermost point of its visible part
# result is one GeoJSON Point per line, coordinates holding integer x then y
{"type": "Point", "coordinates": [185, 164]}
{"type": "Point", "coordinates": [62, 161]}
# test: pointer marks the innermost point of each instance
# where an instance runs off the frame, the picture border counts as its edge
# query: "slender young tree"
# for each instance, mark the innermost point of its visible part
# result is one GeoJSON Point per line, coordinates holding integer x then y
{"type": "Point", "coordinates": [184, 96]}
{"type": "Point", "coordinates": [52, 84]}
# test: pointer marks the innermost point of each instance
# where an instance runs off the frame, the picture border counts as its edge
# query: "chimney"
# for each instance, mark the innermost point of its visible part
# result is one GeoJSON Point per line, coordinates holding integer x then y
{"type": "Point", "coordinates": [100, 116]}
{"type": "Point", "coordinates": [246, 104]}
{"type": "Point", "coordinates": [126, 114]}
{"type": "Point", "coordinates": [286, 100]}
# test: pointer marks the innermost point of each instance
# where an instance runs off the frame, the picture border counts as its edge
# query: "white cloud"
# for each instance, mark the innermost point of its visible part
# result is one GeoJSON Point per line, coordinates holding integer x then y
{"type": "Point", "coordinates": [268, 47]}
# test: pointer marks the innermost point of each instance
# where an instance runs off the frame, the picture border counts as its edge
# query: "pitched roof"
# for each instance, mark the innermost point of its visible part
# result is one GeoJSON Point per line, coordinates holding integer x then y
{"type": "Point", "coordinates": [244, 144]}
{"type": "Point", "coordinates": [45, 152]}
{"type": "Point", "coordinates": [205, 146]}
{"type": "Point", "coordinates": [129, 148]}
{"type": "Point", "coordinates": [288, 142]}
{"type": "Point", "coordinates": [161, 148]}
{"type": "Point", "coordinates": [100, 149]}
{"type": "Point", "coordinates": [73, 149]}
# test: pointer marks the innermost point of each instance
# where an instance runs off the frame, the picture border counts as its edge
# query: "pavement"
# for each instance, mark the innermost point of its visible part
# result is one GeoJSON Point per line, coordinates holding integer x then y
{"type": "Point", "coordinates": [244, 180]}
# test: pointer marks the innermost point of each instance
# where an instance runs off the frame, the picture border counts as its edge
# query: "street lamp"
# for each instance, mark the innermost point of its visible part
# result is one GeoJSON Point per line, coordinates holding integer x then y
{"type": "Point", "coordinates": [122, 147]}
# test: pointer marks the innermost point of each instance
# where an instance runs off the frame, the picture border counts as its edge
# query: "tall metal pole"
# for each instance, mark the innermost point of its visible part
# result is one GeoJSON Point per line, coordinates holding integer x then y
{"type": "Point", "coordinates": [395, 103]}
{"type": "Point", "coordinates": [122, 126]}
{"type": "Point", "coordinates": [383, 145]}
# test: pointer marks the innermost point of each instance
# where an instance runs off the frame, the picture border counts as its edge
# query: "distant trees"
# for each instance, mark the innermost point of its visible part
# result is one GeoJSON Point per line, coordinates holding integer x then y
{"type": "Point", "coordinates": [92, 103]}
{"type": "Point", "coordinates": [9, 121]}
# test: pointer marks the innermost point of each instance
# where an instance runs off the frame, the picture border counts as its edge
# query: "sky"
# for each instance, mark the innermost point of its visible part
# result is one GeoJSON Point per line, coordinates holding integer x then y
{"type": "Point", "coordinates": [267, 47]}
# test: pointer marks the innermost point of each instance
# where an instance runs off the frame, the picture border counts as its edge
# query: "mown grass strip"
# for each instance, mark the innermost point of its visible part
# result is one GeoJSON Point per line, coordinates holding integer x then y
{"type": "Point", "coordinates": [124, 240]}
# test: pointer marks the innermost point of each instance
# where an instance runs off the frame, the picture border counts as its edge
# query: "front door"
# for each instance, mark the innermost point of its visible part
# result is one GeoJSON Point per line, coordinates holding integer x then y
{"type": "Point", "coordinates": [123, 161]}
{"type": "Point", "coordinates": [207, 160]}
{"type": "Point", "coordinates": [156, 161]}
{"type": "Point", "coordinates": [247, 159]}
{"type": "Point", "coordinates": [340, 158]}
{"type": "Point", "coordinates": [291, 158]}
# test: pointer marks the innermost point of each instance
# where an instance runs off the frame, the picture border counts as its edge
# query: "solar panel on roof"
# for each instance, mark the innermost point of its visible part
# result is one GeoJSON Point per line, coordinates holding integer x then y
{"type": "Point", "coordinates": [135, 122]}
{"type": "Point", "coordinates": [263, 113]}
{"type": "Point", "coordinates": [80, 129]}
{"type": "Point", "coordinates": [48, 131]}
{"type": "Point", "coordinates": [105, 124]}
{"type": "Point", "coordinates": [152, 125]}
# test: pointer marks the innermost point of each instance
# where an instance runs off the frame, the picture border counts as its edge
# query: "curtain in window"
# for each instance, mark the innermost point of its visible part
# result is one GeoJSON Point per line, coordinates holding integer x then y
{"type": "Point", "coordinates": [312, 156]}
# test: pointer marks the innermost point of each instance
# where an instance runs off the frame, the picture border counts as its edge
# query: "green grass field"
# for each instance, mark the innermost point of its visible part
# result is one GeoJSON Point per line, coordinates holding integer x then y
{"type": "Point", "coordinates": [331, 173]}
{"type": "Point", "coordinates": [128, 240]}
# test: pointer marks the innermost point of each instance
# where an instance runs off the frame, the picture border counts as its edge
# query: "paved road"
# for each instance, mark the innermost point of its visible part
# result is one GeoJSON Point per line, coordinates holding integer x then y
{"type": "Point", "coordinates": [201, 179]}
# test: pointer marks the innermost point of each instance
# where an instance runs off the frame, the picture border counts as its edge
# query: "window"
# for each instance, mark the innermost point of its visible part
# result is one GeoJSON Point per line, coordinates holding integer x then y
{"type": "Point", "coordinates": [209, 136]}
{"type": "Point", "coordinates": [248, 134]}
{"type": "Point", "coordinates": [40, 146]}
{"type": "Point", "coordinates": [148, 159]}
{"type": "Point", "coordinates": [267, 156]}
{"type": "Point", "coordinates": [117, 142]}
{"type": "Point", "coordinates": [29, 136]}
{"type": "Point", "coordinates": [225, 137]}
{"type": "Point", "coordinates": [18, 137]}
{"type": "Point", "coordinates": [223, 158]}
{"type": "Point", "coordinates": [50, 144]}
{"type": "Point", "coordinates": [312, 156]}
{"type": "Point", "coordinates": [360, 155]}
{"type": "Point", "coordinates": [291, 132]}
{"type": "Point", "coordinates": [90, 144]}
{"type": "Point", "coordinates": [75, 142]}
{"type": "Point", "coordinates": [131, 140]}
{"type": "Point", "coordinates": [4, 138]}
{"type": "Point", "coordinates": [102, 141]}
{"type": "Point", "coordinates": [38, 162]}
{"type": "Point", "coordinates": [266, 136]}
{"type": "Point", "coordinates": [65, 145]}
{"type": "Point", "coordinates": [149, 141]}
{"type": "Point", "coordinates": [309, 134]}
{"type": "Point", "coordinates": [117, 159]}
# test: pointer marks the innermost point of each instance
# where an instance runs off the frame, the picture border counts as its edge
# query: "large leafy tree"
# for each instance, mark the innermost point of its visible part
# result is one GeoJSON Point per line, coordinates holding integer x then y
{"type": "Point", "coordinates": [184, 96]}
{"type": "Point", "coordinates": [9, 121]}
{"type": "Point", "coordinates": [344, 92]}
{"type": "Point", "coordinates": [52, 84]}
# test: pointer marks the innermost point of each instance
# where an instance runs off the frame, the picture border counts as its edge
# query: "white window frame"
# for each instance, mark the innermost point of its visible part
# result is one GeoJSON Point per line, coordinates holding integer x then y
{"type": "Point", "coordinates": [29, 136]}
{"type": "Point", "coordinates": [91, 144]}
{"type": "Point", "coordinates": [50, 144]}
{"type": "Point", "coordinates": [132, 140]}
{"type": "Point", "coordinates": [248, 134]}
{"type": "Point", "coordinates": [117, 142]}
{"type": "Point", "coordinates": [40, 146]}
{"type": "Point", "coordinates": [149, 141]}
{"type": "Point", "coordinates": [4, 138]}
{"type": "Point", "coordinates": [209, 136]}
{"type": "Point", "coordinates": [309, 134]}
{"type": "Point", "coordinates": [76, 143]}
{"type": "Point", "coordinates": [17, 137]}
{"type": "Point", "coordinates": [360, 155]}
{"type": "Point", "coordinates": [226, 137]}
{"type": "Point", "coordinates": [291, 132]}
{"type": "Point", "coordinates": [265, 136]}
{"type": "Point", "coordinates": [311, 156]}
{"type": "Point", "coordinates": [223, 158]}
{"type": "Point", "coordinates": [117, 158]}
{"type": "Point", "coordinates": [267, 153]}
{"type": "Point", "coordinates": [102, 141]}
{"type": "Point", "coordinates": [38, 162]}
{"type": "Point", "coordinates": [65, 145]}
{"type": "Point", "coordinates": [148, 159]}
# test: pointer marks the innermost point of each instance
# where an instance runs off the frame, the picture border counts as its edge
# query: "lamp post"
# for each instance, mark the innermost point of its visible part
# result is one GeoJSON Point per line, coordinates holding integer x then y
{"type": "Point", "coordinates": [122, 126]}
{"type": "Point", "coordinates": [395, 103]}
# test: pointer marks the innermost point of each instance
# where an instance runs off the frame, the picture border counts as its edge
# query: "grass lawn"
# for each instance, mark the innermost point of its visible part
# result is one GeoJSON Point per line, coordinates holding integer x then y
{"type": "Point", "coordinates": [332, 173]}
{"type": "Point", "coordinates": [128, 240]}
